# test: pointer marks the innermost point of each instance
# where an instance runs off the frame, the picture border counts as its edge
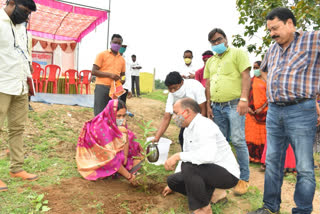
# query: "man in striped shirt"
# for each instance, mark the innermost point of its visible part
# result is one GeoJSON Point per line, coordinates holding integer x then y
{"type": "Point", "coordinates": [292, 65]}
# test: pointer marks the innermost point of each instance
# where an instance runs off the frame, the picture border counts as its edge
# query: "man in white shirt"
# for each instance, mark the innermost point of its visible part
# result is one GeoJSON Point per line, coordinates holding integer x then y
{"type": "Point", "coordinates": [14, 69]}
{"type": "Point", "coordinates": [188, 70]}
{"type": "Point", "coordinates": [135, 69]}
{"type": "Point", "coordinates": [207, 158]}
{"type": "Point", "coordinates": [178, 89]}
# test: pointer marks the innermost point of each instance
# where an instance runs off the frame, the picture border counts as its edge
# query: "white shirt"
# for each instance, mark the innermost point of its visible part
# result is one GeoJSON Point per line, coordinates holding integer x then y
{"type": "Point", "coordinates": [187, 70]}
{"type": "Point", "coordinates": [204, 143]}
{"type": "Point", "coordinates": [134, 71]}
{"type": "Point", "coordinates": [14, 66]}
{"type": "Point", "coordinates": [192, 89]}
{"type": "Point", "coordinates": [127, 83]}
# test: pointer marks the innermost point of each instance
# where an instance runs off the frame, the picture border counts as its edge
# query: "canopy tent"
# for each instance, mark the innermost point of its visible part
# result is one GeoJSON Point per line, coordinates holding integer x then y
{"type": "Point", "coordinates": [56, 20]}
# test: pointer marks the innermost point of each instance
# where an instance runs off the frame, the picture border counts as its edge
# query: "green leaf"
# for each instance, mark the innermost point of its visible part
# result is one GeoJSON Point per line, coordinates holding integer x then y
{"type": "Point", "coordinates": [38, 206]}
{"type": "Point", "coordinates": [40, 197]}
{"type": "Point", "coordinates": [45, 209]}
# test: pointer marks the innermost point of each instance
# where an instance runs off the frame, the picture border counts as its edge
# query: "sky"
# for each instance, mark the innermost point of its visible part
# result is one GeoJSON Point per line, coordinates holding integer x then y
{"type": "Point", "coordinates": [158, 32]}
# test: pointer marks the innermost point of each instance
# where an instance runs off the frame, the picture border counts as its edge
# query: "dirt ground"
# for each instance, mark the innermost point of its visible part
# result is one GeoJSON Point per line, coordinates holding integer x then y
{"type": "Point", "coordinates": [117, 196]}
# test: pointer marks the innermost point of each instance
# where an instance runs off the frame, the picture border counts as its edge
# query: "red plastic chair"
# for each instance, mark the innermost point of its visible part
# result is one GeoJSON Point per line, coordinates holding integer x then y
{"type": "Point", "coordinates": [86, 80]}
{"type": "Point", "coordinates": [70, 79]}
{"type": "Point", "coordinates": [37, 77]}
{"type": "Point", "coordinates": [53, 77]}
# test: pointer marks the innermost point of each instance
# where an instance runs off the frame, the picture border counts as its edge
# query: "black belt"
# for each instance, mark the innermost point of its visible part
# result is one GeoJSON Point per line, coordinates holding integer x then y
{"type": "Point", "coordinates": [231, 102]}
{"type": "Point", "coordinates": [289, 103]}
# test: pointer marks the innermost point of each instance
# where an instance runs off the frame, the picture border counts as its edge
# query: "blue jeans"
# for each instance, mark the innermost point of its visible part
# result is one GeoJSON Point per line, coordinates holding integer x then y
{"type": "Point", "coordinates": [295, 124]}
{"type": "Point", "coordinates": [230, 122]}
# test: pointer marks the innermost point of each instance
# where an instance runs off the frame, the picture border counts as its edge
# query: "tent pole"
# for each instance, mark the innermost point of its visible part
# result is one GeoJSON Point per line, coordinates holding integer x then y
{"type": "Point", "coordinates": [109, 11]}
{"type": "Point", "coordinates": [78, 44]}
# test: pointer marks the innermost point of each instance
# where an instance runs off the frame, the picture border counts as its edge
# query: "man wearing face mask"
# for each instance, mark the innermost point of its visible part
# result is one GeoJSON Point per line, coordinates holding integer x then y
{"type": "Point", "coordinates": [178, 89]}
{"type": "Point", "coordinates": [188, 70]}
{"type": "Point", "coordinates": [227, 90]}
{"type": "Point", "coordinates": [109, 66]}
{"type": "Point", "coordinates": [14, 69]}
{"type": "Point", "coordinates": [207, 159]}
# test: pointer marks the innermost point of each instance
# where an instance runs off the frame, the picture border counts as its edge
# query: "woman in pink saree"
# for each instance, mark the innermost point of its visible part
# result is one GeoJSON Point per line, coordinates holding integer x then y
{"type": "Point", "coordinates": [106, 146]}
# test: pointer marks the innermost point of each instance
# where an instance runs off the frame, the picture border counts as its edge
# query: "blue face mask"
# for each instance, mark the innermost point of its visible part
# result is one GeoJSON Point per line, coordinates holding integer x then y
{"type": "Point", "coordinates": [257, 72]}
{"type": "Point", "coordinates": [219, 49]}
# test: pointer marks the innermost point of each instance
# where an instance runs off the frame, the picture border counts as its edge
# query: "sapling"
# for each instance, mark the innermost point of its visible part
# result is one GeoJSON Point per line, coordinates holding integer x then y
{"type": "Point", "coordinates": [147, 169]}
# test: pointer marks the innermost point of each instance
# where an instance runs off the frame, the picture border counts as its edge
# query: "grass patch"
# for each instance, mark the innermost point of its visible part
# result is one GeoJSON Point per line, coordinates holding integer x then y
{"type": "Point", "coordinates": [254, 197]}
{"type": "Point", "coordinates": [49, 129]}
{"type": "Point", "coordinates": [156, 95]}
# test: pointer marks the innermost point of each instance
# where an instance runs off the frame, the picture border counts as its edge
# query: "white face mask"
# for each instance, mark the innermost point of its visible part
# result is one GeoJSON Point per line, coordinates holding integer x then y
{"type": "Point", "coordinates": [181, 93]}
{"type": "Point", "coordinates": [120, 122]}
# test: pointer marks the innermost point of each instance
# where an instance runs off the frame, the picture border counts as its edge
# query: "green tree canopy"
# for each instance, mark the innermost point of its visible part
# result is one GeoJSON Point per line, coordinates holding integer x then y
{"type": "Point", "coordinates": [253, 13]}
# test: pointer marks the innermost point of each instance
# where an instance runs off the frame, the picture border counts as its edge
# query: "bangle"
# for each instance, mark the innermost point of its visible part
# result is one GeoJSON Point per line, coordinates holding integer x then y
{"type": "Point", "coordinates": [243, 99]}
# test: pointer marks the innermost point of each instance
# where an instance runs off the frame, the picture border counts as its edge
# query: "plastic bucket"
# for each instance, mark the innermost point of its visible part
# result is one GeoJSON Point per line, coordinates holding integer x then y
{"type": "Point", "coordinates": [163, 146]}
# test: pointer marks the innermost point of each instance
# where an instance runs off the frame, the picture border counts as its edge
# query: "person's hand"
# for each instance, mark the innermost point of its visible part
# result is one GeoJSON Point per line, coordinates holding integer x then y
{"type": "Point", "coordinates": [191, 76]}
{"type": "Point", "coordinates": [258, 111]}
{"type": "Point", "coordinates": [166, 191]}
{"type": "Point", "coordinates": [250, 111]}
{"type": "Point", "coordinates": [114, 77]}
{"type": "Point", "coordinates": [132, 180]}
{"type": "Point", "coordinates": [242, 108]}
{"type": "Point", "coordinates": [155, 140]}
{"type": "Point", "coordinates": [184, 77]}
{"type": "Point", "coordinates": [171, 162]}
{"type": "Point", "coordinates": [209, 112]}
{"type": "Point", "coordinates": [129, 94]}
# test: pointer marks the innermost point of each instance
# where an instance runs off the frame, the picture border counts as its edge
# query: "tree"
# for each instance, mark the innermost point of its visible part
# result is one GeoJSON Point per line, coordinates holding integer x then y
{"type": "Point", "coordinates": [253, 13]}
{"type": "Point", "coordinates": [159, 84]}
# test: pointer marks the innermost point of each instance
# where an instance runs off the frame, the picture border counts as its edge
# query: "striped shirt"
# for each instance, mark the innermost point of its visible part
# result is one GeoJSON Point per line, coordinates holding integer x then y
{"type": "Point", "coordinates": [294, 72]}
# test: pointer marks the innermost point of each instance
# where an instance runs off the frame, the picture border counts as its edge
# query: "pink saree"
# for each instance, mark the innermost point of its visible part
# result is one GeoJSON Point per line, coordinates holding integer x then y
{"type": "Point", "coordinates": [101, 143]}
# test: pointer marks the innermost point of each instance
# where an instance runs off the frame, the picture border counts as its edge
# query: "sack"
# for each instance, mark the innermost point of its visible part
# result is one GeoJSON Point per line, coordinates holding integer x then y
{"type": "Point", "coordinates": [32, 91]}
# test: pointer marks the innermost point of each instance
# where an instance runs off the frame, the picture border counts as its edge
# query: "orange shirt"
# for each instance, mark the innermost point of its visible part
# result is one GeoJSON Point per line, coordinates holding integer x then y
{"type": "Point", "coordinates": [108, 62]}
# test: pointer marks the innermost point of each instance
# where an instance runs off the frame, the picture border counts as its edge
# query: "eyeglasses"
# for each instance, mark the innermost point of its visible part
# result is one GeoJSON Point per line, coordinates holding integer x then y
{"type": "Point", "coordinates": [218, 40]}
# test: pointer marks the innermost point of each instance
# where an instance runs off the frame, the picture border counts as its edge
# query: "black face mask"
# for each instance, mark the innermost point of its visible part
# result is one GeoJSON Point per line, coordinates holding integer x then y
{"type": "Point", "coordinates": [18, 16]}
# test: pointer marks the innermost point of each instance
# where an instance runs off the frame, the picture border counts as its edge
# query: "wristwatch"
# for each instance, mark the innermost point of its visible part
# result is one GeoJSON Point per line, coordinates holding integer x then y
{"type": "Point", "coordinates": [244, 99]}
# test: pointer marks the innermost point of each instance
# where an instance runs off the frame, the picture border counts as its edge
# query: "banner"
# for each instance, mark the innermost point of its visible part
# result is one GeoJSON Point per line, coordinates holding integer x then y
{"type": "Point", "coordinates": [42, 58]}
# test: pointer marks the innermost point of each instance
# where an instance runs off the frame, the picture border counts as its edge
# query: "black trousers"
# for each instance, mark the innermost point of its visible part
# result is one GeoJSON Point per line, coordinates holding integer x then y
{"type": "Point", "coordinates": [123, 97]}
{"type": "Point", "coordinates": [181, 138]}
{"type": "Point", "coordinates": [198, 182]}
{"type": "Point", "coordinates": [135, 81]}
{"type": "Point", "coordinates": [101, 98]}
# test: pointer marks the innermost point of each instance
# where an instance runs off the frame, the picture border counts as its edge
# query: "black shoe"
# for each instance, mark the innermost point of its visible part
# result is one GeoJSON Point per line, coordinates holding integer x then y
{"type": "Point", "coordinates": [262, 210]}
{"type": "Point", "coordinates": [30, 108]}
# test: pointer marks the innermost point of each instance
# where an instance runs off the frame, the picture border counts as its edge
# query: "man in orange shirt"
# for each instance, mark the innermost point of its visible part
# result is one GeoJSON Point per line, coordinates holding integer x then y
{"type": "Point", "coordinates": [109, 66]}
